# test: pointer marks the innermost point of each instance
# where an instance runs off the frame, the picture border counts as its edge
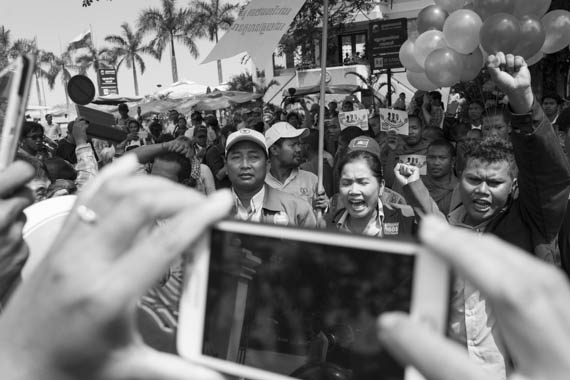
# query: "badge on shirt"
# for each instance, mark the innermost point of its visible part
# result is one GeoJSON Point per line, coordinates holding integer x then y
{"type": "Point", "coordinates": [281, 219]}
{"type": "Point", "coordinates": [391, 228]}
{"type": "Point", "coordinates": [304, 191]}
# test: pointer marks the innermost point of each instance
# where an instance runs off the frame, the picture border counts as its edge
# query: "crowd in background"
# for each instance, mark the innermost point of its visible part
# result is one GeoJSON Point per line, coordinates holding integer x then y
{"type": "Point", "coordinates": [501, 170]}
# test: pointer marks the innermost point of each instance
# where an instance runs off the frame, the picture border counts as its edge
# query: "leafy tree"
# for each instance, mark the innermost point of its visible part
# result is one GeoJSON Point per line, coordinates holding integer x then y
{"type": "Point", "coordinates": [210, 17]}
{"type": "Point", "coordinates": [59, 66]}
{"type": "Point", "coordinates": [245, 82]}
{"type": "Point", "coordinates": [5, 41]}
{"type": "Point", "coordinates": [169, 24]}
{"type": "Point", "coordinates": [306, 27]}
{"type": "Point", "coordinates": [25, 46]}
{"type": "Point", "coordinates": [128, 49]}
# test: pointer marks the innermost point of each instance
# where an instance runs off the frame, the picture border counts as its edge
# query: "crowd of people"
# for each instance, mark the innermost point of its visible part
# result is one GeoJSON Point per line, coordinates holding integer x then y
{"type": "Point", "coordinates": [501, 172]}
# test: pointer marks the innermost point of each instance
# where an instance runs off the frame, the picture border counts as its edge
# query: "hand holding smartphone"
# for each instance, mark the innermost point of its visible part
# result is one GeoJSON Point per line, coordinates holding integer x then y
{"type": "Point", "coordinates": [266, 302]}
{"type": "Point", "coordinates": [15, 83]}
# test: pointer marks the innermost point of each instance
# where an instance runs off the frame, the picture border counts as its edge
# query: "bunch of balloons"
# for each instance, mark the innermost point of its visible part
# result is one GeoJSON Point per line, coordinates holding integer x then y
{"type": "Point", "coordinates": [455, 36]}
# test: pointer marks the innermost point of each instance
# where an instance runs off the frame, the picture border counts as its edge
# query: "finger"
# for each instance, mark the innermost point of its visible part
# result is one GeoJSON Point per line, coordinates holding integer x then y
{"type": "Point", "coordinates": [146, 364]}
{"type": "Point", "coordinates": [12, 208]}
{"type": "Point", "coordinates": [491, 264]}
{"type": "Point", "coordinates": [510, 63]}
{"type": "Point", "coordinates": [14, 177]}
{"type": "Point", "coordinates": [413, 344]}
{"type": "Point", "coordinates": [519, 63]}
{"type": "Point", "coordinates": [146, 261]}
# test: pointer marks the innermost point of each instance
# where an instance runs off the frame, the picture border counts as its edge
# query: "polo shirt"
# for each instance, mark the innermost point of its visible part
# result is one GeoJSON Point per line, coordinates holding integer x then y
{"type": "Point", "coordinates": [300, 183]}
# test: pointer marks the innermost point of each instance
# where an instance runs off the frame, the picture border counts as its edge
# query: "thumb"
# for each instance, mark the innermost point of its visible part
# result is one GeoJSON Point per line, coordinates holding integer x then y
{"type": "Point", "coordinates": [144, 363]}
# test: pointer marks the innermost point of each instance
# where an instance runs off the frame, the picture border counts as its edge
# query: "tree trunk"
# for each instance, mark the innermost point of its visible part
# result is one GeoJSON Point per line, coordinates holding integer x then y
{"type": "Point", "coordinates": [173, 60]}
{"type": "Point", "coordinates": [219, 61]}
{"type": "Point", "coordinates": [38, 89]}
{"type": "Point", "coordinates": [135, 78]}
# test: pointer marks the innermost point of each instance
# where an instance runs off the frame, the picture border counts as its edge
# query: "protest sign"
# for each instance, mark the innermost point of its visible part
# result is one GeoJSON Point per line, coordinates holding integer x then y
{"type": "Point", "coordinates": [394, 120]}
{"type": "Point", "coordinates": [257, 30]}
{"type": "Point", "coordinates": [358, 118]}
{"type": "Point", "coordinates": [417, 160]}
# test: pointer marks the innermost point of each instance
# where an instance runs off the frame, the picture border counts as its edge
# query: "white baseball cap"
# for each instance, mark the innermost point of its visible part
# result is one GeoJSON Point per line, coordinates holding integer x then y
{"type": "Point", "coordinates": [283, 130]}
{"type": "Point", "coordinates": [246, 134]}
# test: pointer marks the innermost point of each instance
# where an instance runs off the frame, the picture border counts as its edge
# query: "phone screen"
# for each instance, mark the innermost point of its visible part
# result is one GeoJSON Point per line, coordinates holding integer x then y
{"type": "Point", "coordinates": [302, 309]}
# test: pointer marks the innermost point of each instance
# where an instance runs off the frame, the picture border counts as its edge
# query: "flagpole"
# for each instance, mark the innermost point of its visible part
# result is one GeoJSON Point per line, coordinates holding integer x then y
{"type": "Point", "coordinates": [96, 59]}
{"type": "Point", "coordinates": [322, 96]}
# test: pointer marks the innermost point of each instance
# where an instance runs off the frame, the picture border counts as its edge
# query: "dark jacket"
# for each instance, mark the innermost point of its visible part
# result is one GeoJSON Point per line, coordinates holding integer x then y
{"type": "Point", "coordinates": [532, 220]}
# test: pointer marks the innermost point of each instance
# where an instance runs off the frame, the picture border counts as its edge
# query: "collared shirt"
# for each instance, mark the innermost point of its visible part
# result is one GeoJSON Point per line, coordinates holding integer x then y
{"type": "Point", "coordinates": [300, 183]}
{"type": "Point", "coordinates": [472, 321]}
{"type": "Point", "coordinates": [253, 212]}
{"type": "Point", "coordinates": [373, 228]}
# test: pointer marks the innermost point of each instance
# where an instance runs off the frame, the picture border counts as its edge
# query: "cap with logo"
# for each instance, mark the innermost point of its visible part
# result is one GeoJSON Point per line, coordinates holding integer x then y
{"type": "Point", "coordinates": [246, 134]}
{"type": "Point", "coordinates": [283, 130]}
{"type": "Point", "coordinates": [364, 144]}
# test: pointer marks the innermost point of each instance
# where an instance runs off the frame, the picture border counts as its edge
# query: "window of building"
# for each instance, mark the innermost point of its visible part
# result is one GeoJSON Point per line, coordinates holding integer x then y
{"type": "Point", "coordinates": [353, 48]}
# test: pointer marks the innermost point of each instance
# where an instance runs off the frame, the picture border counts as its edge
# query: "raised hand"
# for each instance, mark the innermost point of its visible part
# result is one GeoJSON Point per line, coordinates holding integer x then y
{"type": "Point", "coordinates": [74, 317]}
{"type": "Point", "coordinates": [511, 75]}
{"type": "Point", "coordinates": [530, 298]}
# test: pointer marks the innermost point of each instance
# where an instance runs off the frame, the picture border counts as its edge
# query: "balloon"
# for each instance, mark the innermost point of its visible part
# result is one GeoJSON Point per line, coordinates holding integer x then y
{"type": "Point", "coordinates": [426, 43]}
{"type": "Point", "coordinates": [534, 59]}
{"type": "Point", "coordinates": [557, 26]}
{"type": "Point", "coordinates": [535, 8]}
{"type": "Point", "coordinates": [420, 81]}
{"type": "Point", "coordinates": [487, 8]}
{"type": "Point", "coordinates": [407, 57]}
{"type": "Point", "coordinates": [444, 67]}
{"type": "Point", "coordinates": [531, 38]}
{"type": "Point", "coordinates": [451, 5]}
{"type": "Point", "coordinates": [500, 32]}
{"type": "Point", "coordinates": [472, 64]}
{"type": "Point", "coordinates": [461, 31]}
{"type": "Point", "coordinates": [431, 17]}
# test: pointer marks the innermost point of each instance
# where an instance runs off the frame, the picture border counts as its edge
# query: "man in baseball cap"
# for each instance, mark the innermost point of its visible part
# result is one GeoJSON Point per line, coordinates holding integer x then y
{"type": "Point", "coordinates": [285, 156]}
{"type": "Point", "coordinates": [246, 165]}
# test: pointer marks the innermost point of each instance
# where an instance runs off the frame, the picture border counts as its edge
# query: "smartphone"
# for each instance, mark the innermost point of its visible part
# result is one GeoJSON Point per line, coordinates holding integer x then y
{"type": "Point", "coordinates": [266, 302]}
{"type": "Point", "coordinates": [15, 82]}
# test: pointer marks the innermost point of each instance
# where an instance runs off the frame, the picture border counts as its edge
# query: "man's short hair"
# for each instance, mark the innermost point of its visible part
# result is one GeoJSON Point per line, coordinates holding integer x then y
{"type": "Point", "coordinates": [416, 117]}
{"type": "Point", "coordinates": [493, 150]}
{"type": "Point", "coordinates": [498, 111]}
{"type": "Point", "coordinates": [185, 166]}
{"type": "Point", "coordinates": [478, 102]}
{"type": "Point", "coordinates": [552, 95]}
{"type": "Point", "coordinates": [123, 107]}
{"type": "Point", "coordinates": [442, 143]}
{"type": "Point", "coordinates": [31, 126]}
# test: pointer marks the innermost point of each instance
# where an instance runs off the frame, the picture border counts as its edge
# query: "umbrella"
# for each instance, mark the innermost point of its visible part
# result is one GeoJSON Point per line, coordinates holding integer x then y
{"type": "Point", "coordinates": [329, 89]}
{"type": "Point", "coordinates": [115, 99]}
{"type": "Point", "coordinates": [181, 90]}
{"type": "Point", "coordinates": [217, 100]}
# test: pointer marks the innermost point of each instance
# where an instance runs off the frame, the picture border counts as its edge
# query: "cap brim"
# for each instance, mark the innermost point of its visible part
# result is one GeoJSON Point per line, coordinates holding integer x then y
{"type": "Point", "coordinates": [246, 138]}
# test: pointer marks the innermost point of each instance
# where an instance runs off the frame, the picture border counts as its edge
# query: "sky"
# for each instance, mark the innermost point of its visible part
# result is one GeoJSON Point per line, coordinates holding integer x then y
{"type": "Point", "coordinates": [54, 23]}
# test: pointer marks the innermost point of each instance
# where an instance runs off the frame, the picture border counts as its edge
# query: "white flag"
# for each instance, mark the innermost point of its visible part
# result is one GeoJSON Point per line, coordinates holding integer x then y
{"type": "Point", "coordinates": [257, 30]}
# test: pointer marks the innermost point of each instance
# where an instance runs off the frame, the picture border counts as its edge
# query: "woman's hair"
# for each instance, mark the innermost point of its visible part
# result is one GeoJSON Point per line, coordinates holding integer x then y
{"type": "Point", "coordinates": [371, 160]}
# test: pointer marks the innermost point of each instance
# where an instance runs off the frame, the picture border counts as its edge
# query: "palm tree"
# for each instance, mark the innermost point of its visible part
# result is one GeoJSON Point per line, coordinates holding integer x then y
{"type": "Point", "coordinates": [169, 24]}
{"type": "Point", "coordinates": [5, 41]}
{"type": "Point", "coordinates": [95, 58]}
{"type": "Point", "coordinates": [24, 46]}
{"type": "Point", "coordinates": [128, 47]}
{"type": "Point", "coordinates": [245, 82]}
{"type": "Point", "coordinates": [211, 17]}
{"type": "Point", "coordinates": [59, 66]}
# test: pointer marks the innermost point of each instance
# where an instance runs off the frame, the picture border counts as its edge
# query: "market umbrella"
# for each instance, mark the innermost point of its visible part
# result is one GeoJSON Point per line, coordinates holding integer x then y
{"type": "Point", "coordinates": [115, 99]}
{"type": "Point", "coordinates": [182, 90]}
{"type": "Point", "coordinates": [329, 89]}
{"type": "Point", "coordinates": [217, 100]}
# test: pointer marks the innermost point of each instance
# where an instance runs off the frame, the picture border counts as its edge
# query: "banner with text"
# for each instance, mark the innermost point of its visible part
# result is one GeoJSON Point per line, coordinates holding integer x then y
{"type": "Point", "coordinates": [257, 30]}
{"type": "Point", "coordinates": [394, 120]}
{"type": "Point", "coordinates": [108, 82]}
{"type": "Point", "coordinates": [358, 118]}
